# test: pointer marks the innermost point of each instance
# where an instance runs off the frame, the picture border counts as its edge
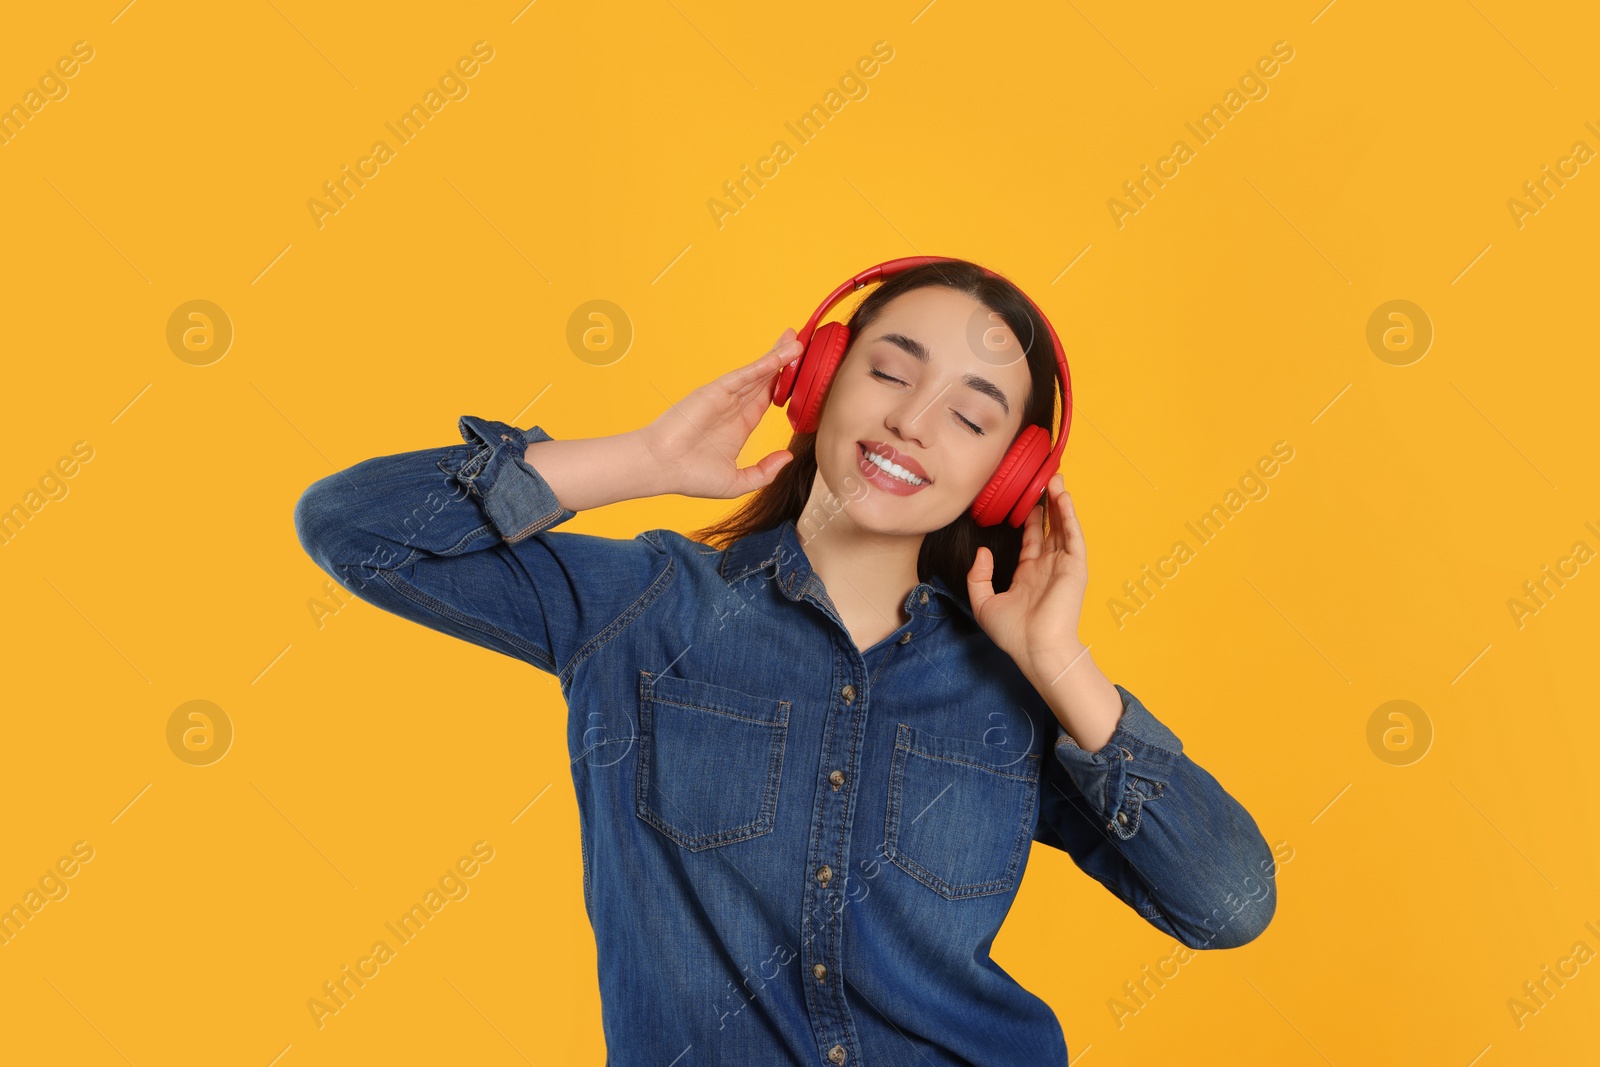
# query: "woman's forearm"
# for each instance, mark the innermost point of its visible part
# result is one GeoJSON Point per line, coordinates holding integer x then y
{"type": "Point", "coordinates": [1084, 700]}
{"type": "Point", "coordinates": [591, 472]}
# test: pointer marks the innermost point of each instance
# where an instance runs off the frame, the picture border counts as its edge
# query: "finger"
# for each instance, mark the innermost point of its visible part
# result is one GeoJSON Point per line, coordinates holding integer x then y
{"type": "Point", "coordinates": [761, 380]}
{"type": "Point", "coordinates": [765, 471]}
{"type": "Point", "coordinates": [1032, 535]}
{"type": "Point", "coordinates": [742, 378]}
{"type": "Point", "coordinates": [764, 367]}
{"type": "Point", "coordinates": [749, 405]}
{"type": "Point", "coordinates": [980, 579]}
{"type": "Point", "coordinates": [753, 403]}
{"type": "Point", "coordinates": [1069, 521]}
{"type": "Point", "coordinates": [1059, 532]}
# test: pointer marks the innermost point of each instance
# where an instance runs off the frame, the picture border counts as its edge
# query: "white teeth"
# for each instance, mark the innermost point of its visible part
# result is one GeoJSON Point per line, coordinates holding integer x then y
{"type": "Point", "coordinates": [896, 470]}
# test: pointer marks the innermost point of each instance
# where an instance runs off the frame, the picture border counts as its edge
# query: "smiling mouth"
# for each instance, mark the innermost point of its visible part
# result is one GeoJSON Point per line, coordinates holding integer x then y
{"type": "Point", "coordinates": [893, 470]}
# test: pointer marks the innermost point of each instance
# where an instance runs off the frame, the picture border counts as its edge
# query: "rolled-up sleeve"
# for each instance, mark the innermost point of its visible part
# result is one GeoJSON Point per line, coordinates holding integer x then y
{"type": "Point", "coordinates": [459, 538]}
{"type": "Point", "coordinates": [515, 498]}
{"type": "Point", "coordinates": [1159, 831]}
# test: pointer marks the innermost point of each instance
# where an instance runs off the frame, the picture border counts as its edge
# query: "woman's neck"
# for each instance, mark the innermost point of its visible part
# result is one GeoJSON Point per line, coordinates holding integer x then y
{"type": "Point", "coordinates": [867, 575]}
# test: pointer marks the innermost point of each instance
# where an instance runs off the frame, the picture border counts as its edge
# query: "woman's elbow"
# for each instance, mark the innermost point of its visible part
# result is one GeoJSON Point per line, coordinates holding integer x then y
{"type": "Point", "coordinates": [328, 530]}
{"type": "Point", "coordinates": [1249, 923]}
{"type": "Point", "coordinates": [1242, 902]}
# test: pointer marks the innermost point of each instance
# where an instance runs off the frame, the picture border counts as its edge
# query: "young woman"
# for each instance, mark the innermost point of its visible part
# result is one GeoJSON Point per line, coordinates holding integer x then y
{"type": "Point", "coordinates": [813, 745]}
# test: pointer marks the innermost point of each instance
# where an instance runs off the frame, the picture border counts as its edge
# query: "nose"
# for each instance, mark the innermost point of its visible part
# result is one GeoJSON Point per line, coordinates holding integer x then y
{"type": "Point", "coordinates": [912, 418]}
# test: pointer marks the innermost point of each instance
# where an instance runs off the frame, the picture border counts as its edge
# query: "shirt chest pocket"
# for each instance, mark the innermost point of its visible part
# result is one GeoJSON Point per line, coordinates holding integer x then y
{"type": "Point", "coordinates": [710, 760]}
{"type": "Point", "coordinates": [960, 812]}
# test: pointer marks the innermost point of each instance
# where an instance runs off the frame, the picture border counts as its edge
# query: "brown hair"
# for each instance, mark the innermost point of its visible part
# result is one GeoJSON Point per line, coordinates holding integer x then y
{"type": "Point", "coordinates": [947, 552]}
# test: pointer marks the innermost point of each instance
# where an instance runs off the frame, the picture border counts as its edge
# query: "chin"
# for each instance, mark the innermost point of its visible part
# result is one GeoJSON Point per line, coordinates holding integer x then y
{"type": "Point", "coordinates": [875, 511]}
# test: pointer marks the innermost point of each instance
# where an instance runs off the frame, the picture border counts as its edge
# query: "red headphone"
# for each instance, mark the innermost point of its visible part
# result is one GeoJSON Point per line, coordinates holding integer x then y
{"type": "Point", "coordinates": [1018, 483]}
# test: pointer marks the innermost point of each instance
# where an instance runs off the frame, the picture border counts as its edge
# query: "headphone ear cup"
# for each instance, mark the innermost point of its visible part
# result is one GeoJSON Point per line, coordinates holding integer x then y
{"type": "Point", "coordinates": [1004, 498]}
{"type": "Point", "coordinates": [823, 354]}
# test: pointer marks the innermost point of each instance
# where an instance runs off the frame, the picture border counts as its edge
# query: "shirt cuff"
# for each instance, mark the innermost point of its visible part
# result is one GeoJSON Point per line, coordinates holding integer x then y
{"type": "Point", "coordinates": [1129, 771]}
{"type": "Point", "coordinates": [515, 498]}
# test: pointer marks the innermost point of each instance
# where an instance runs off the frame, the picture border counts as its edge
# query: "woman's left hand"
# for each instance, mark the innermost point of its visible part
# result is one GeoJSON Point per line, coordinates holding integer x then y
{"type": "Point", "coordinates": [1035, 621]}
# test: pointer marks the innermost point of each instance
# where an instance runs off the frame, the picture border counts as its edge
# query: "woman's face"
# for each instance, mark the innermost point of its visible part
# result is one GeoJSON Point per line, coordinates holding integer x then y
{"type": "Point", "coordinates": [936, 383]}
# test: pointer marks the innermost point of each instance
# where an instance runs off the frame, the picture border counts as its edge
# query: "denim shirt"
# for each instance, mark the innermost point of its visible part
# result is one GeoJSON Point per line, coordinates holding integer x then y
{"type": "Point", "coordinates": [794, 850]}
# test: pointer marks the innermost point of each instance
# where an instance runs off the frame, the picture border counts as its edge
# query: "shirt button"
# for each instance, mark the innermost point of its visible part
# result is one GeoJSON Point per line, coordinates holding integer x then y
{"type": "Point", "coordinates": [820, 971]}
{"type": "Point", "coordinates": [836, 1054]}
{"type": "Point", "coordinates": [849, 694]}
{"type": "Point", "coordinates": [923, 599]}
{"type": "Point", "coordinates": [905, 637]}
{"type": "Point", "coordinates": [1122, 817]}
{"type": "Point", "coordinates": [824, 874]}
{"type": "Point", "coordinates": [837, 778]}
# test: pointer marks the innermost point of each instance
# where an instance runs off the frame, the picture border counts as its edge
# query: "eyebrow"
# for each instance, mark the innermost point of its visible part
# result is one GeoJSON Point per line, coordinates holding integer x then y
{"type": "Point", "coordinates": [919, 352]}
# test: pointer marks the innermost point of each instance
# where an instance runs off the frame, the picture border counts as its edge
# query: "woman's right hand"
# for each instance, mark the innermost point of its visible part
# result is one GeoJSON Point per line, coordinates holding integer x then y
{"type": "Point", "coordinates": [696, 442]}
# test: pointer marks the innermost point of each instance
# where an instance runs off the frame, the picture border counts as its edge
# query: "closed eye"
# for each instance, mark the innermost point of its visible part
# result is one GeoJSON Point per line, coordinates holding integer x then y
{"type": "Point", "coordinates": [969, 423]}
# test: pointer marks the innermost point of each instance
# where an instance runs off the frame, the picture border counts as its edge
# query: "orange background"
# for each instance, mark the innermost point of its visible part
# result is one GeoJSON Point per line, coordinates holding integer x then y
{"type": "Point", "coordinates": [1230, 312]}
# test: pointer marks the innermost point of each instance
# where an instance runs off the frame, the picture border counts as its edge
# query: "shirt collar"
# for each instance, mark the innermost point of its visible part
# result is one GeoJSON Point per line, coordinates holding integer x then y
{"type": "Point", "coordinates": [777, 550]}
